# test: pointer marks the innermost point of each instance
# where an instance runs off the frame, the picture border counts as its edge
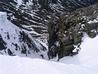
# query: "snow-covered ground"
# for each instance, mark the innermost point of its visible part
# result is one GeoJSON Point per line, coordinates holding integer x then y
{"type": "Point", "coordinates": [86, 62]}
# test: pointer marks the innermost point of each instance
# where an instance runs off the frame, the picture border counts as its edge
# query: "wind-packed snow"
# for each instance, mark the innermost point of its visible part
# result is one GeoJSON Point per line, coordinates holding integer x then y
{"type": "Point", "coordinates": [86, 62]}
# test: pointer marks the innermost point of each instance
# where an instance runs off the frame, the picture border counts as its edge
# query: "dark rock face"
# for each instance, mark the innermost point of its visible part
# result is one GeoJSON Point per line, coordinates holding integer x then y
{"type": "Point", "coordinates": [66, 32]}
{"type": "Point", "coordinates": [64, 35]}
{"type": "Point", "coordinates": [74, 4]}
{"type": "Point", "coordinates": [2, 43]}
{"type": "Point", "coordinates": [10, 52]}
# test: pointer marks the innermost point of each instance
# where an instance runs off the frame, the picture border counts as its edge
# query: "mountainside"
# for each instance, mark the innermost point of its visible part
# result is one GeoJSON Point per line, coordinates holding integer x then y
{"type": "Point", "coordinates": [41, 26]}
{"type": "Point", "coordinates": [16, 41]}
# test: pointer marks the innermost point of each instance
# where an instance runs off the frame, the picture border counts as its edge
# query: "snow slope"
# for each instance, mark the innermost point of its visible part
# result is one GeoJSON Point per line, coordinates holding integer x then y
{"type": "Point", "coordinates": [86, 62]}
{"type": "Point", "coordinates": [18, 41]}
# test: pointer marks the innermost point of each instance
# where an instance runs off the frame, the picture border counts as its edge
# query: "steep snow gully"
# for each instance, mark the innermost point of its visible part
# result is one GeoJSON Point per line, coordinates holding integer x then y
{"type": "Point", "coordinates": [86, 62]}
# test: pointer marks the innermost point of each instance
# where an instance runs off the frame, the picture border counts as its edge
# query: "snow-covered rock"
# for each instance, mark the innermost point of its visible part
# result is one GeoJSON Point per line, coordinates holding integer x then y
{"type": "Point", "coordinates": [16, 41]}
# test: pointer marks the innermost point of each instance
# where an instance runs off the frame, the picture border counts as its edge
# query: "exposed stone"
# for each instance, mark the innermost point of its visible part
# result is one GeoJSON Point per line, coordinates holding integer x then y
{"type": "Point", "coordinates": [2, 43]}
